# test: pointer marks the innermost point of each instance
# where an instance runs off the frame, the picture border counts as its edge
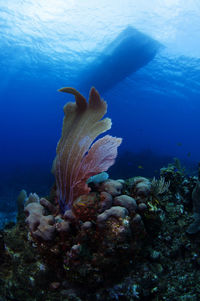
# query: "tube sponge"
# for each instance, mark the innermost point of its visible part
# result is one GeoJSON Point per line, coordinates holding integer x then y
{"type": "Point", "coordinates": [78, 158]}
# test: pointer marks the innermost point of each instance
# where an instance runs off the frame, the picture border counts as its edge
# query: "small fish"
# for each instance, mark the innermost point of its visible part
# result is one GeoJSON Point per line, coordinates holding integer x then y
{"type": "Point", "coordinates": [188, 154]}
{"type": "Point", "coordinates": [140, 167]}
{"type": "Point", "coordinates": [82, 204]}
{"type": "Point", "coordinates": [179, 144]}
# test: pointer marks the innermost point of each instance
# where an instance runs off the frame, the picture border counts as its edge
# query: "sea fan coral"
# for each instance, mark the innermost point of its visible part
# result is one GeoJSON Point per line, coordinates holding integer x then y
{"type": "Point", "coordinates": [76, 159]}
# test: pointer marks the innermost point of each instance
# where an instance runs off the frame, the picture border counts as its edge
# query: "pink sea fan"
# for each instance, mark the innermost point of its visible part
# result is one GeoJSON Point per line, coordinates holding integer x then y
{"type": "Point", "coordinates": [100, 157]}
{"type": "Point", "coordinates": [77, 159]}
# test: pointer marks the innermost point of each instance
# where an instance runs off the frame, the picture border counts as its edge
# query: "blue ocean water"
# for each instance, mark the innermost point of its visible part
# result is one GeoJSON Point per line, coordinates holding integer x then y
{"type": "Point", "coordinates": [47, 45]}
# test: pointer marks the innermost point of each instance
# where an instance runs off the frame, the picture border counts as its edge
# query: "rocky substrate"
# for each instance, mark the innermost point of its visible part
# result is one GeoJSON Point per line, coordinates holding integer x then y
{"type": "Point", "coordinates": [165, 266]}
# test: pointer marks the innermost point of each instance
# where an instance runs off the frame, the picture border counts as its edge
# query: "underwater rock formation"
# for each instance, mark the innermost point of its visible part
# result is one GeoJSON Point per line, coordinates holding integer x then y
{"type": "Point", "coordinates": [129, 246]}
{"type": "Point", "coordinates": [195, 226]}
{"type": "Point", "coordinates": [112, 187]}
{"type": "Point", "coordinates": [79, 229]}
{"type": "Point", "coordinates": [42, 226]}
{"type": "Point", "coordinates": [100, 229]}
{"type": "Point", "coordinates": [92, 235]}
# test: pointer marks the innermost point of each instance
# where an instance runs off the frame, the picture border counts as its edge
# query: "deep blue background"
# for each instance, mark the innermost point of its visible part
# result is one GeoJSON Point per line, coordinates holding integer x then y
{"type": "Point", "coordinates": [44, 47]}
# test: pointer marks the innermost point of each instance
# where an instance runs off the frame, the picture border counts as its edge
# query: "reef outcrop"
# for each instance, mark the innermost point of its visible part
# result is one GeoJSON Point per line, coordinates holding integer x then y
{"type": "Point", "coordinates": [83, 226]}
{"type": "Point", "coordinates": [124, 240]}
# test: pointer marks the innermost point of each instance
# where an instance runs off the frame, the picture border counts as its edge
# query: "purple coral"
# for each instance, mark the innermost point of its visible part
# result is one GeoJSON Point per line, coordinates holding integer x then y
{"type": "Point", "coordinates": [77, 158]}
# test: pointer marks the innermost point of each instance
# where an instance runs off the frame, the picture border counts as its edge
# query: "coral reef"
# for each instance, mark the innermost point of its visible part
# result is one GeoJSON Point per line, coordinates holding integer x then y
{"type": "Point", "coordinates": [100, 229]}
{"type": "Point", "coordinates": [67, 228]}
{"type": "Point", "coordinates": [95, 238]}
{"type": "Point", "coordinates": [86, 225]}
{"type": "Point", "coordinates": [129, 246]}
{"type": "Point", "coordinates": [195, 226]}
